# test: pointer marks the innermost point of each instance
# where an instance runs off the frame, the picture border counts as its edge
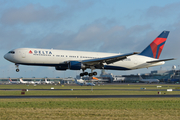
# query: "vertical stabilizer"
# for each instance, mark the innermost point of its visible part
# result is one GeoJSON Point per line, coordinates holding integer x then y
{"type": "Point", "coordinates": [155, 48]}
{"type": "Point", "coordinates": [140, 77]}
{"type": "Point", "coordinates": [10, 80]}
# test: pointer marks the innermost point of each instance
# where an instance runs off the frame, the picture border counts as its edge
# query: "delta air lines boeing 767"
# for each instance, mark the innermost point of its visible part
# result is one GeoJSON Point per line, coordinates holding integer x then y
{"type": "Point", "coordinates": [77, 60]}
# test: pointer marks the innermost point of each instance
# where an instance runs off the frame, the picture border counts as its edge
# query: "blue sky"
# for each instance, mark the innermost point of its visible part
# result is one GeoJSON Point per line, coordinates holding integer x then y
{"type": "Point", "coordinates": [87, 25]}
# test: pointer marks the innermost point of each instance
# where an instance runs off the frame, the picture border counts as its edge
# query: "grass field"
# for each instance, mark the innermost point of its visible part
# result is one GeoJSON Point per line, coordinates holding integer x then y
{"type": "Point", "coordinates": [80, 109]}
{"type": "Point", "coordinates": [89, 108]}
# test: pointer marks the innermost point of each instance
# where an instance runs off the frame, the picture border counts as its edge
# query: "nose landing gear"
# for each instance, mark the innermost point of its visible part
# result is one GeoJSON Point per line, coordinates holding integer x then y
{"type": "Point", "coordinates": [17, 67]}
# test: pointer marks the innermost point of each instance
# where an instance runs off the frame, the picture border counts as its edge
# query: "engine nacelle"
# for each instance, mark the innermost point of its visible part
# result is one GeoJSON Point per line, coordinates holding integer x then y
{"type": "Point", "coordinates": [75, 65]}
{"type": "Point", "coordinates": [61, 67]}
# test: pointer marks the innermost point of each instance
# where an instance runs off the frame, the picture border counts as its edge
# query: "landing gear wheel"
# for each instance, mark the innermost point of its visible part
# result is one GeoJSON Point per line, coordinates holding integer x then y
{"type": "Point", "coordinates": [17, 67]}
{"type": "Point", "coordinates": [90, 74]}
{"type": "Point", "coordinates": [85, 73]}
{"type": "Point", "coordinates": [81, 74]}
{"type": "Point", "coordinates": [95, 73]}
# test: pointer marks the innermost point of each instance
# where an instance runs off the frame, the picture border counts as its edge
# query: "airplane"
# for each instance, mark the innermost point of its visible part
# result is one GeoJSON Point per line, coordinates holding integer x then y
{"type": "Point", "coordinates": [79, 60]}
{"type": "Point", "coordinates": [90, 84]}
{"type": "Point", "coordinates": [13, 82]}
{"type": "Point", "coordinates": [79, 81]}
{"type": "Point", "coordinates": [83, 82]}
{"type": "Point", "coordinates": [148, 80]}
{"type": "Point", "coordinates": [37, 82]}
{"type": "Point", "coordinates": [47, 82]}
{"type": "Point", "coordinates": [94, 79]}
{"type": "Point", "coordinates": [26, 82]}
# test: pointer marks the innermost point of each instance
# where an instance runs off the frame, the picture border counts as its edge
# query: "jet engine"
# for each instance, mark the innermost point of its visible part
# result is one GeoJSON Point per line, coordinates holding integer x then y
{"type": "Point", "coordinates": [62, 67]}
{"type": "Point", "coordinates": [76, 65]}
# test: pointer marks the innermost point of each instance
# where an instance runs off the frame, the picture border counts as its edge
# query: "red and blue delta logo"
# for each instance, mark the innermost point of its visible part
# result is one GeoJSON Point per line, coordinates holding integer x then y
{"type": "Point", "coordinates": [38, 52]}
{"type": "Point", "coordinates": [157, 46]}
{"type": "Point", "coordinates": [30, 52]}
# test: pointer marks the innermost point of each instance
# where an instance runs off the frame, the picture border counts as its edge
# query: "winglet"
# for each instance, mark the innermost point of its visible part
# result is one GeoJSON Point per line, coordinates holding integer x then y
{"type": "Point", "coordinates": [155, 48]}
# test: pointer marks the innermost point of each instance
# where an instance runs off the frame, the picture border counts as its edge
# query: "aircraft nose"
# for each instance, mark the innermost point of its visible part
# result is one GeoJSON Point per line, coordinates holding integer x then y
{"type": "Point", "coordinates": [6, 56]}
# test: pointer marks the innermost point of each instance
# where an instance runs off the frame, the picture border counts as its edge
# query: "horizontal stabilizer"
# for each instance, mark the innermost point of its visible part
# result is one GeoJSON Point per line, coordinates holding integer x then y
{"type": "Point", "coordinates": [155, 61]}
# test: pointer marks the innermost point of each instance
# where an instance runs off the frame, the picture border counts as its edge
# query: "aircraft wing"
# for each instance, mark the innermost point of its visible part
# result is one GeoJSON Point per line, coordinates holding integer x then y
{"type": "Point", "coordinates": [107, 60]}
{"type": "Point", "coordinates": [156, 61]}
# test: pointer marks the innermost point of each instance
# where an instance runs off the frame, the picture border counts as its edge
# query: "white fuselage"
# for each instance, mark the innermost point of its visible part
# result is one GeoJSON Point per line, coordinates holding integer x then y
{"type": "Point", "coordinates": [13, 82]}
{"type": "Point", "coordinates": [26, 82]}
{"type": "Point", "coordinates": [83, 82]}
{"type": "Point", "coordinates": [51, 57]}
{"type": "Point", "coordinates": [48, 82]}
{"type": "Point", "coordinates": [150, 80]}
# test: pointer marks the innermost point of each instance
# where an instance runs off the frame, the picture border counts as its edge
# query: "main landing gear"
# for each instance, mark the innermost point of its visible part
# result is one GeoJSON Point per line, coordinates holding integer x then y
{"type": "Point", "coordinates": [90, 74]}
{"type": "Point", "coordinates": [17, 67]}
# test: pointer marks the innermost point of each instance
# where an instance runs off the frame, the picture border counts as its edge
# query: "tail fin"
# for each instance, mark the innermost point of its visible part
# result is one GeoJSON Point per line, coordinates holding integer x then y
{"type": "Point", "coordinates": [140, 77]}
{"type": "Point", "coordinates": [10, 80]}
{"type": "Point", "coordinates": [21, 80]}
{"type": "Point", "coordinates": [76, 80]}
{"type": "Point", "coordinates": [95, 78]}
{"type": "Point", "coordinates": [155, 48]}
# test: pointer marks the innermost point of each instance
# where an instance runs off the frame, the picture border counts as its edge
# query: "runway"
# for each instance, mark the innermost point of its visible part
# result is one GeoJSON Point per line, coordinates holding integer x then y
{"type": "Point", "coordinates": [94, 89]}
{"type": "Point", "coordinates": [89, 96]}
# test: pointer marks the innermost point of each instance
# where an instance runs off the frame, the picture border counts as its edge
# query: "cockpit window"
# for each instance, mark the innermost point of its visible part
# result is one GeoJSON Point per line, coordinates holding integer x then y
{"type": "Point", "coordinates": [12, 52]}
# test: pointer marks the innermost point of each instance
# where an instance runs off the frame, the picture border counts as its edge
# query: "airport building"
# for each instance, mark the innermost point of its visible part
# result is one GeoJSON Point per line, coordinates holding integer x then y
{"type": "Point", "coordinates": [171, 76]}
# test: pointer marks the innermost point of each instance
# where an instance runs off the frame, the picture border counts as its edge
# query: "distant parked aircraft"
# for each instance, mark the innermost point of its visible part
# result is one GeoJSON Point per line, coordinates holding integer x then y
{"type": "Point", "coordinates": [48, 82]}
{"type": "Point", "coordinates": [26, 82]}
{"type": "Point", "coordinates": [148, 80]}
{"type": "Point", "coordinates": [37, 82]}
{"type": "Point", "coordinates": [83, 82]}
{"type": "Point", "coordinates": [13, 82]}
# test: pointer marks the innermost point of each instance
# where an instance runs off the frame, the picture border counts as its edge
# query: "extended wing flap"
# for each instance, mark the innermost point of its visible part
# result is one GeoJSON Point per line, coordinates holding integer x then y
{"type": "Point", "coordinates": [156, 61]}
{"type": "Point", "coordinates": [108, 60]}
